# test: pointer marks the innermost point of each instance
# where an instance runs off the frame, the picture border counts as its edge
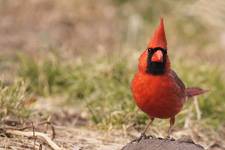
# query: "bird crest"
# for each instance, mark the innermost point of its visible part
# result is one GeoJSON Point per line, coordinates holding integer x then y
{"type": "Point", "coordinates": [159, 37]}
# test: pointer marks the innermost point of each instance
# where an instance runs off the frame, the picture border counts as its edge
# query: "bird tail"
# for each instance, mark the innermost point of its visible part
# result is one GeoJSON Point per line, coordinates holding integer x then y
{"type": "Point", "coordinates": [194, 91]}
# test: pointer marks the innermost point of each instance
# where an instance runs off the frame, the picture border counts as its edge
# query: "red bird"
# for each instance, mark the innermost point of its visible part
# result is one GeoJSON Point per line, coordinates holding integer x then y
{"type": "Point", "coordinates": [156, 88]}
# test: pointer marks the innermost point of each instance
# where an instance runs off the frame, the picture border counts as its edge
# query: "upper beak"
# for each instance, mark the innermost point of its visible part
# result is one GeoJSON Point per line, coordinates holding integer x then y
{"type": "Point", "coordinates": [157, 56]}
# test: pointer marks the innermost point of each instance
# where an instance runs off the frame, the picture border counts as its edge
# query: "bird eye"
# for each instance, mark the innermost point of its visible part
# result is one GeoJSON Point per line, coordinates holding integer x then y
{"type": "Point", "coordinates": [153, 50]}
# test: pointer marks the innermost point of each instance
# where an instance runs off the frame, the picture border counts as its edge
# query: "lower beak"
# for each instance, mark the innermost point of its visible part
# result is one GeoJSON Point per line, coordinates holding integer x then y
{"type": "Point", "coordinates": [157, 56]}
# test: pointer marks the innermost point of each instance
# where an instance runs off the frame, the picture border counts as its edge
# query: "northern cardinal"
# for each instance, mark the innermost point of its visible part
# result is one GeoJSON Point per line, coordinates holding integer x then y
{"type": "Point", "coordinates": [156, 88]}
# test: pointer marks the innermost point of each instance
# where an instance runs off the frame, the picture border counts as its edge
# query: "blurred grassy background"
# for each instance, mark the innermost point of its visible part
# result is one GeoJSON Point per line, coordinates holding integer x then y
{"type": "Point", "coordinates": [86, 53]}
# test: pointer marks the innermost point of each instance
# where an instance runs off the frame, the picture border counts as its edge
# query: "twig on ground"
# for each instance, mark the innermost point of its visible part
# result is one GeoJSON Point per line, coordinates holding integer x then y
{"type": "Point", "coordinates": [32, 126]}
{"type": "Point", "coordinates": [34, 134]}
{"type": "Point", "coordinates": [38, 135]}
{"type": "Point", "coordinates": [9, 131]}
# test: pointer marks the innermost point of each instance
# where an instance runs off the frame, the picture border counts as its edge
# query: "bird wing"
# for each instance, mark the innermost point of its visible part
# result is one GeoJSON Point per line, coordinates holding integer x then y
{"type": "Point", "coordinates": [189, 92]}
{"type": "Point", "coordinates": [178, 81]}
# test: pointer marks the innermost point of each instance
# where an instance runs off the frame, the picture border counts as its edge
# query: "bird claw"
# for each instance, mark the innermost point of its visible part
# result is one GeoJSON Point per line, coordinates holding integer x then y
{"type": "Point", "coordinates": [143, 136]}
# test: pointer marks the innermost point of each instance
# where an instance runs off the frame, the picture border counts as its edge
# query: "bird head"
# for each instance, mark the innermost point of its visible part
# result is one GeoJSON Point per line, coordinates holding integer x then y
{"type": "Point", "coordinates": [154, 60]}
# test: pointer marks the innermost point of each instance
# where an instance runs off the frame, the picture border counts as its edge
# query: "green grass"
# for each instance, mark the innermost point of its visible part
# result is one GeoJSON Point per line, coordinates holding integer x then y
{"type": "Point", "coordinates": [13, 100]}
{"type": "Point", "coordinates": [103, 85]}
{"type": "Point", "coordinates": [44, 77]}
{"type": "Point", "coordinates": [210, 78]}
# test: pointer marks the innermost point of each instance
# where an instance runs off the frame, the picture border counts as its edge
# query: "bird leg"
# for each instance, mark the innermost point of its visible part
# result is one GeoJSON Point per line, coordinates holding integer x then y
{"type": "Point", "coordinates": [143, 135]}
{"type": "Point", "coordinates": [172, 121]}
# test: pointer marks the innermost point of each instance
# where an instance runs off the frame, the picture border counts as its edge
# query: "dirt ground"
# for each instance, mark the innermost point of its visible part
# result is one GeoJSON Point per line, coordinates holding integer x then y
{"type": "Point", "coordinates": [74, 132]}
{"type": "Point", "coordinates": [71, 131]}
{"type": "Point", "coordinates": [84, 138]}
{"type": "Point", "coordinates": [71, 138]}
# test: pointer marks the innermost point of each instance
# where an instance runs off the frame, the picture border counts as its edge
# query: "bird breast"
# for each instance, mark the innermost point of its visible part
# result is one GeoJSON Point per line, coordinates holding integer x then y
{"type": "Point", "coordinates": [158, 96]}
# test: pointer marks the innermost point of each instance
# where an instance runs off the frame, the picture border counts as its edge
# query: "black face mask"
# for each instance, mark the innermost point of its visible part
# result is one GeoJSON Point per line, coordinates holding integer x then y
{"type": "Point", "coordinates": [156, 68]}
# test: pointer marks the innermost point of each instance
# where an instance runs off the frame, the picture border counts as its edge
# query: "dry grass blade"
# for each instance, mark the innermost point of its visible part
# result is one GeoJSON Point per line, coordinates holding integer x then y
{"type": "Point", "coordinates": [198, 111]}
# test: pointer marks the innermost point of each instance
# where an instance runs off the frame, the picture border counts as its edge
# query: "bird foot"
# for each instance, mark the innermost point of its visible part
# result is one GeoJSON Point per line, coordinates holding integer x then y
{"type": "Point", "coordinates": [169, 138]}
{"type": "Point", "coordinates": [143, 136]}
{"type": "Point", "coordinates": [186, 140]}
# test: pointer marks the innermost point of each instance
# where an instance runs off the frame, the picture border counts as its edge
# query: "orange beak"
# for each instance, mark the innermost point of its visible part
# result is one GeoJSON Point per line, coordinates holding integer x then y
{"type": "Point", "coordinates": [157, 56]}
